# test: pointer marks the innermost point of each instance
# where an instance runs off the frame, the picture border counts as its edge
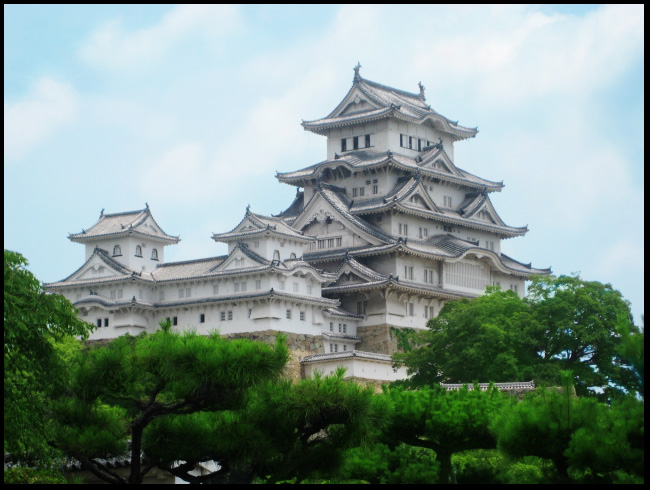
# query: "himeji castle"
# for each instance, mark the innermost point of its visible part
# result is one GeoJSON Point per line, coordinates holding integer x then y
{"type": "Point", "coordinates": [380, 234]}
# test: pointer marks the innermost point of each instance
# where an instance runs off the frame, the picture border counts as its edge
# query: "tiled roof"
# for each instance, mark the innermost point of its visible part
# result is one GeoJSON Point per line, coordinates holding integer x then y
{"type": "Point", "coordinates": [341, 336]}
{"type": "Point", "coordinates": [362, 270]}
{"type": "Point", "coordinates": [103, 256]}
{"type": "Point", "coordinates": [119, 224]}
{"type": "Point", "coordinates": [364, 159]}
{"type": "Point", "coordinates": [438, 247]}
{"type": "Point", "coordinates": [371, 356]}
{"type": "Point", "coordinates": [389, 102]}
{"type": "Point", "coordinates": [511, 386]}
{"type": "Point", "coordinates": [295, 208]}
{"type": "Point", "coordinates": [340, 312]}
{"type": "Point", "coordinates": [261, 225]}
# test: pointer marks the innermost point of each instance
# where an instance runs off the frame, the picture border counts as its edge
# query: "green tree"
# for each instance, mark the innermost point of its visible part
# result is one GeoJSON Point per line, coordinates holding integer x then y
{"type": "Point", "coordinates": [577, 326]}
{"type": "Point", "coordinates": [447, 422]}
{"type": "Point", "coordinates": [481, 340]}
{"type": "Point", "coordinates": [576, 434]}
{"type": "Point", "coordinates": [564, 323]}
{"type": "Point", "coordinates": [35, 321]}
{"type": "Point", "coordinates": [286, 431]}
{"type": "Point", "coordinates": [118, 390]}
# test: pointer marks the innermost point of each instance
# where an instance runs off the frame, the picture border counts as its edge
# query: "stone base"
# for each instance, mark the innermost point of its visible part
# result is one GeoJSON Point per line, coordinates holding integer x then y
{"type": "Point", "coordinates": [378, 339]}
{"type": "Point", "coordinates": [299, 345]}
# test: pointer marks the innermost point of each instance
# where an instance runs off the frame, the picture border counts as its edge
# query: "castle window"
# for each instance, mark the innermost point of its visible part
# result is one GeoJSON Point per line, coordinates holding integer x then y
{"type": "Point", "coordinates": [345, 347]}
{"type": "Point", "coordinates": [181, 293]}
{"type": "Point", "coordinates": [331, 326]}
{"type": "Point", "coordinates": [230, 315]}
{"type": "Point", "coordinates": [215, 289]}
{"type": "Point", "coordinates": [429, 276]}
{"type": "Point", "coordinates": [222, 316]}
{"type": "Point", "coordinates": [161, 295]}
{"type": "Point", "coordinates": [106, 322]}
{"type": "Point", "coordinates": [354, 192]}
{"type": "Point", "coordinates": [408, 272]}
{"type": "Point", "coordinates": [447, 201]}
{"type": "Point", "coordinates": [428, 312]}
{"type": "Point", "coordinates": [138, 251]}
{"type": "Point", "coordinates": [258, 284]}
{"type": "Point", "coordinates": [99, 323]}
{"type": "Point", "coordinates": [292, 255]}
{"type": "Point", "coordinates": [336, 347]}
{"type": "Point", "coordinates": [403, 229]}
{"type": "Point", "coordinates": [419, 145]}
{"type": "Point", "coordinates": [402, 140]}
{"type": "Point", "coordinates": [367, 141]}
{"type": "Point", "coordinates": [302, 316]}
{"type": "Point", "coordinates": [250, 312]}
{"type": "Point", "coordinates": [117, 251]}
{"type": "Point", "coordinates": [410, 309]}
{"type": "Point", "coordinates": [375, 187]}
{"type": "Point", "coordinates": [288, 314]}
{"type": "Point", "coordinates": [154, 254]}
{"type": "Point", "coordinates": [361, 307]}
{"type": "Point", "coordinates": [447, 228]}
{"type": "Point", "coordinates": [344, 144]}
{"type": "Point", "coordinates": [355, 143]}
{"type": "Point", "coordinates": [202, 318]}
{"type": "Point", "coordinates": [175, 321]}
{"type": "Point", "coordinates": [276, 255]}
{"type": "Point", "coordinates": [411, 142]}
{"type": "Point", "coordinates": [423, 232]}
{"type": "Point", "coordinates": [256, 244]}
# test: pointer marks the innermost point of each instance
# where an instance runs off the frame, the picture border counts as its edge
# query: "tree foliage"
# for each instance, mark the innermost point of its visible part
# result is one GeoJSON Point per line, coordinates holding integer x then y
{"type": "Point", "coordinates": [34, 322]}
{"type": "Point", "coordinates": [285, 431]}
{"type": "Point", "coordinates": [564, 323]}
{"type": "Point", "coordinates": [444, 421]}
{"type": "Point", "coordinates": [119, 389]}
{"type": "Point", "coordinates": [575, 433]}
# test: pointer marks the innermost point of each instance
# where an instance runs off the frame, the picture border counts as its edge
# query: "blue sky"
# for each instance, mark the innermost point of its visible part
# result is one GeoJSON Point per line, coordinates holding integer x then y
{"type": "Point", "coordinates": [192, 109]}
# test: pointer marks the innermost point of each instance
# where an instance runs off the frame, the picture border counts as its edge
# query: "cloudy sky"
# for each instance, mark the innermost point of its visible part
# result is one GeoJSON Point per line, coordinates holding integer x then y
{"type": "Point", "coordinates": [192, 109]}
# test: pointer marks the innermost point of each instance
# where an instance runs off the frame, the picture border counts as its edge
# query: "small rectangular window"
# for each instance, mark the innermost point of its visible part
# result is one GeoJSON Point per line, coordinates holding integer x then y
{"type": "Point", "coordinates": [345, 328]}
{"type": "Point", "coordinates": [99, 323]}
{"type": "Point", "coordinates": [345, 347]}
{"type": "Point", "coordinates": [288, 314]}
{"type": "Point", "coordinates": [161, 295]}
{"type": "Point", "coordinates": [258, 284]}
{"type": "Point", "coordinates": [119, 294]}
{"type": "Point", "coordinates": [402, 140]}
{"type": "Point", "coordinates": [106, 322]}
{"type": "Point", "coordinates": [236, 287]}
{"type": "Point", "coordinates": [222, 316]}
{"type": "Point", "coordinates": [367, 141]}
{"type": "Point", "coordinates": [375, 189]}
{"type": "Point", "coordinates": [355, 142]}
{"type": "Point", "coordinates": [250, 312]}
{"type": "Point", "coordinates": [230, 315]}
{"type": "Point", "coordinates": [181, 293]}
{"type": "Point", "coordinates": [362, 191]}
{"type": "Point", "coordinates": [215, 289]}
{"type": "Point", "coordinates": [302, 316]}
{"type": "Point", "coordinates": [354, 192]}
{"type": "Point", "coordinates": [336, 347]}
{"type": "Point", "coordinates": [344, 144]}
{"type": "Point", "coordinates": [175, 321]}
{"type": "Point", "coordinates": [188, 292]}
{"type": "Point", "coordinates": [331, 326]}
{"type": "Point", "coordinates": [202, 318]}
{"type": "Point", "coordinates": [411, 142]}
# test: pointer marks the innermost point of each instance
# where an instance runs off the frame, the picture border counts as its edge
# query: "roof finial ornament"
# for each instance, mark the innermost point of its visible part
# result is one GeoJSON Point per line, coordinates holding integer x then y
{"type": "Point", "coordinates": [101, 215]}
{"type": "Point", "coordinates": [357, 77]}
{"type": "Point", "coordinates": [146, 205]}
{"type": "Point", "coordinates": [248, 208]}
{"type": "Point", "coordinates": [421, 90]}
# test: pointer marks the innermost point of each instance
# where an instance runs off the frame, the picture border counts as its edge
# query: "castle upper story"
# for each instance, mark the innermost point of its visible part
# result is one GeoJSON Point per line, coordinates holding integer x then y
{"type": "Point", "coordinates": [378, 118]}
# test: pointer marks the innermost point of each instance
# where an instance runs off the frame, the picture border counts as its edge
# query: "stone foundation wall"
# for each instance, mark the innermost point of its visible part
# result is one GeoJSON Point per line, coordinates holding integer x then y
{"type": "Point", "coordinates": [300, 345]}
{"type": "Point", "coordinates": [378, 339]}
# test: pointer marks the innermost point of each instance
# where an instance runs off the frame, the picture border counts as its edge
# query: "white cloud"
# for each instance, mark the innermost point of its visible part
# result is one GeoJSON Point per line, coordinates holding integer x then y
{"type": "Point", "coordinates": [29, 121]}
{"type": "Point", "coordinates": [111, 47]}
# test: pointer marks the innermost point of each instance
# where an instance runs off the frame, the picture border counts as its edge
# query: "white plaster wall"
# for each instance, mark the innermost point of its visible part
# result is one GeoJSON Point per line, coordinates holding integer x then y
{"type": "Point", "coordinates": [360, 368]}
